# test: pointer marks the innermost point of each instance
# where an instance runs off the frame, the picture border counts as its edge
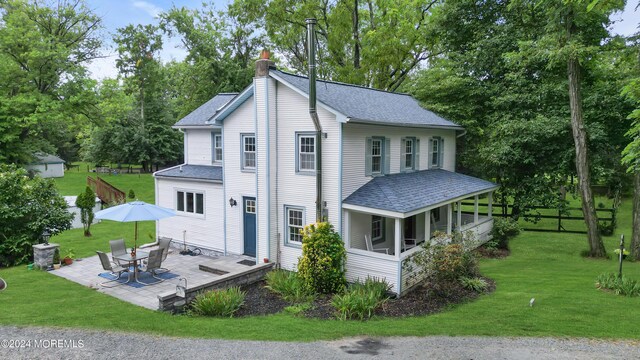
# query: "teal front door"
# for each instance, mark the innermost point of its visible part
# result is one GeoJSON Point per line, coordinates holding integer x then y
{"type": "Point", "coordinates": [249, 205]}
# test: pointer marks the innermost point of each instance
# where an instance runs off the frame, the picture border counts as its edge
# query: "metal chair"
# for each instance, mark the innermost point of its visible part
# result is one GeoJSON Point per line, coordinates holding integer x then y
{"type": "Point", "coordinates": [111, 267]}
{"type": "Point", "coordinates": [370, 247]}
{"type": "Point", "coordinates": [118, 248]}
{"type": "Point", "coordinates": [154, 263]}
{"type": "Point", "coordinates": [164, 244]}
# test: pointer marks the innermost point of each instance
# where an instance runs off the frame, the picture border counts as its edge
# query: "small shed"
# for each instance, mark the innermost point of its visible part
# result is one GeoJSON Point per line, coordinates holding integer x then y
{"type": "Point", "coordinates": [73, 209]}
{"type": "Point", "coordinates": [47, 165]}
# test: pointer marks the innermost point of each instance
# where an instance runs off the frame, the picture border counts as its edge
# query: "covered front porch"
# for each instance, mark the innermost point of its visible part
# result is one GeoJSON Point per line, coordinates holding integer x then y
{"type": "Point", "coordinates": [387, 220]}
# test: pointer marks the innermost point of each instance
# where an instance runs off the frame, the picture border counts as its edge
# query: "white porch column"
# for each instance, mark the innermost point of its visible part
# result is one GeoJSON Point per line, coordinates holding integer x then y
{"type": "Point", "coordinates": [449, 216]}
{"type": "Point", "coordinates": [346, 230]}
{"type": "Point", "coordinates": [475, 209]}
{"type": "Point", "coordinates": [490, 207]}
{"type": "Point", "coordinates": [427, 225]}
{"type": "Point", "coordinates": [398, 237]}
{"type": "Point", "coordinates": [459, 219]}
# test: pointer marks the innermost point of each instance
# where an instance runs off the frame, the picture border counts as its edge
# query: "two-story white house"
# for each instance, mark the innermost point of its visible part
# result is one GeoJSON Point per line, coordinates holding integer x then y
{"type": "Point", "coordinates": [248, 184]}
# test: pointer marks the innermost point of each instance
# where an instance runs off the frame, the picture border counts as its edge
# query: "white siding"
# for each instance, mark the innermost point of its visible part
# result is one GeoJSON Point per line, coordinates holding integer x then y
{"type": "Point", "coordinates": [237, 183]}
{"type": "Point", "coordinates": [48, 170]}
{"type": "Point", "coordinates": [199, 146]}
{"type": "Point", "coordinates": [361, 264]}
{"type": "Point", "coordinates": [201, 230]}
{"type": "Point", "coordinates": [354, 143]}
{"type": "Point", "coordinates": [299, 189]}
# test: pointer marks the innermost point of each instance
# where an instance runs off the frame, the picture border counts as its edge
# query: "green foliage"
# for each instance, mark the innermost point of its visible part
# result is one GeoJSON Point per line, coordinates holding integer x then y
{"type": "Point", "coordinates": [619, 285]}
{"type": "Point", "coordinates": [289, 286]}
{"type": "Point", "coordinates": [85, 202]}
{"type": "Point", "coordinates": [69, 254]}
{"type": "Point", "coordinates": [476, 284]}
{"type": "Point", "coordinates": [132, 194]}
{"type": "Point", "coordinates": [451, 262]}
{"type": "Point", "coordinates": [222, 303]}
{"type": "Point", "coordinates": [503, 230]}
{"type": "Point", "coordinates": [27, 208]}
{"type": "Point", "coordinates": [321, 266]}
{"type": "Point", "coordinates": [361, 299]}
{"type": "Point", "coordinates": [56, 256]}
{"type": "Point", "coordinates": [45, 94]}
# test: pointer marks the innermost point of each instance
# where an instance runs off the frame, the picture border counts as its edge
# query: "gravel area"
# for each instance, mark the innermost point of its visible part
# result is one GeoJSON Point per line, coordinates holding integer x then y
{"type": "Point", "coordinates": [83, 344]}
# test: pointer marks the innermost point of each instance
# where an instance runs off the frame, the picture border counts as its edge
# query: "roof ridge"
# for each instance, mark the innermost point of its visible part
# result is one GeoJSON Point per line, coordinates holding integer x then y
{"type": "Point", "coordinates": [227, 93]}
{"type": "Point", "coordinates": [346, 84]}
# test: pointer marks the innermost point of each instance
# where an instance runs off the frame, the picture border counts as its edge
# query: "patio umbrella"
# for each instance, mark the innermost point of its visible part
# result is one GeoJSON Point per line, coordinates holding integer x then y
{"type": "Point", "coordinates": [135, 211]}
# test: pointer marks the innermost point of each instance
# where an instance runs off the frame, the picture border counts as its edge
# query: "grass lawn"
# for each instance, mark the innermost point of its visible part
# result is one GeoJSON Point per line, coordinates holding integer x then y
{"type": "Point", "coordinates": [547, 266]}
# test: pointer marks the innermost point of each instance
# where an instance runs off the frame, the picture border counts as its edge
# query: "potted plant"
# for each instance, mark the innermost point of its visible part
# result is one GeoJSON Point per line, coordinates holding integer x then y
{"type": "Point", "coordinates": [56, 259]}
{"type": "Point", "coordinates": [69, 256]}
{"type": "Point", "coordinates": [625, 252]}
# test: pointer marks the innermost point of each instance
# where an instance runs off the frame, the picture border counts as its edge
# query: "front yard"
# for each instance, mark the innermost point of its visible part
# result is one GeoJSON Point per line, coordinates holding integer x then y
{"type": "Point", "coordinates": [544, 266]}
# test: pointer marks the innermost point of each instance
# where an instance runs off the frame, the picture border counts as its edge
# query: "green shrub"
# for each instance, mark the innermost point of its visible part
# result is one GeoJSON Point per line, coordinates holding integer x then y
{"type": "Point", "coordinates": [475, 284]}
{"type": "Point", "coordinates": [289, 286]}
{"type": "Point", "coordinates": [221, 303]}
{"type": "Point", "coordinates": [132, 194]}
{"type": "Point", "coordinates": [321, 266]}
{"type": "Point", "coordinates": [451, 262]}
{"type": "Point", "coordinates": [361, 299]}
{"type": "Point", "coordinates": [85, 202]}
{"type": "Point", "coordinates": [503, 230]}
{"type": "Point", "coordinates": [619, 285]}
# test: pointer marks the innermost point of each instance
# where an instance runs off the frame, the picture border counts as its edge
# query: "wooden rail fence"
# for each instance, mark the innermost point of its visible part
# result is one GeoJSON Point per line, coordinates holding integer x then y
{"type": "Point", "coordinates": [106, 192]}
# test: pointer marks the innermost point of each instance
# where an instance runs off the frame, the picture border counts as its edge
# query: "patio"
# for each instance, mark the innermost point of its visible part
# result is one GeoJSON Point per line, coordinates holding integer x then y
{"type": "Point", "coordinates": [86, 272]}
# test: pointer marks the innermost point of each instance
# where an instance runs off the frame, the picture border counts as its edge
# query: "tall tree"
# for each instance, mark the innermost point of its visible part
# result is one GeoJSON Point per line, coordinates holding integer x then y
{"type": "Point", "coordinates": [374, 43]}
{"type": "Point", "coordinates": [44, 46]}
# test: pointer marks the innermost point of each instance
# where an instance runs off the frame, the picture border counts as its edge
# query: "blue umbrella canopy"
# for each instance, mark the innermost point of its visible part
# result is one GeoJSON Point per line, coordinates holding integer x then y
{"type": "Point", "coordinates": [135, 211]}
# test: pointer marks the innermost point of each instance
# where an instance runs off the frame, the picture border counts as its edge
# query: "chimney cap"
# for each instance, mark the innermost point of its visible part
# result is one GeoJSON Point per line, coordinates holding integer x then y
{"type": "Point", "coordinates": [312, 21]}
{"type": "Point", "coordinates": [265, 54]}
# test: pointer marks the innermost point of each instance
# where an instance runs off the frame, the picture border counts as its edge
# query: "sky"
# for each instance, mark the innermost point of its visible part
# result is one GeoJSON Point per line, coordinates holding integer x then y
{"type": "Point", "coordinates": [120, 13]}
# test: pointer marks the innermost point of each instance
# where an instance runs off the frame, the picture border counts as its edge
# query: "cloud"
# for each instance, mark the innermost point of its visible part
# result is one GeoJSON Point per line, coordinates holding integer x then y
{"type": "Point", "coordinates": [149, 8]}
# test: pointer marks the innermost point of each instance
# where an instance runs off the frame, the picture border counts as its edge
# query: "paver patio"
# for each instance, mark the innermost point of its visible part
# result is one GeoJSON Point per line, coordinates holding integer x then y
{"type": "Point", "coordinates": [86, 272]}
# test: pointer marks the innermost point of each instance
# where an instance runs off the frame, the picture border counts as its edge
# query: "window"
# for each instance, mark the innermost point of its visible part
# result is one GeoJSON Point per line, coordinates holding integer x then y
{"type": "Point", "coordinates": [377, 156]}
{"type": "Point", "coordinates": [377, 228]}
{"type": "Point", "coordinates": [306, 153]}
{"type": "Point", "coordinates": [410, 154]}
{"type": "Point", "coordinates": [248, 152]}
{"type": "Point", "coordinates": [295, 221]}
{"type": "Point", "coordinates": [436, 152]}
{"type": "Point", "coordinates": [250, 206]}
{"type": "Point", "coordinates": [190, 202]}
{"type": "Point", "coordinates": [217, 147]}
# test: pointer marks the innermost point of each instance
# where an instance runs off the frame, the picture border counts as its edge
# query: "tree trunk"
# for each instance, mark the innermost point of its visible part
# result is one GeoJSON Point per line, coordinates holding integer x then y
{"type": "Point", "coordinates": [596, 247]}
{"type": "Point", "coordinates": [356, 36]}
{"type": "Point", "coordinates": [635, 230]}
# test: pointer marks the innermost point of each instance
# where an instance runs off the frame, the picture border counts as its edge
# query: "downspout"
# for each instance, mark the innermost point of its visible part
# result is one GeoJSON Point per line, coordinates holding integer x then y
{"type": "Point", "coordinates": [311, 45]}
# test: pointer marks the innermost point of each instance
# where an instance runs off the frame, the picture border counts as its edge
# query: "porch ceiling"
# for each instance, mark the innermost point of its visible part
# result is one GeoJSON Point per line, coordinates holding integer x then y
{"type": "Point", "coordinates": [407, 192]}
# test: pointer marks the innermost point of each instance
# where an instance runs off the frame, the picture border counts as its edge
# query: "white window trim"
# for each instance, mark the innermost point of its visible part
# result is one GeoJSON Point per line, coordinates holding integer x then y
{"type": "Point", "coordinates": [243, 152]}
{"type": "Point", "coordinates": [382, 220]}
{"type": "Point", "coordinates": [287, 225]}
{"type": "Point", "coordinates": [217, 145]}
{"type": "Point", "coordinates": [381, 156]}
{"type": "Point", "coordinates": [299, 137]}
{"type": "Point", "coordinates": [195, 193]}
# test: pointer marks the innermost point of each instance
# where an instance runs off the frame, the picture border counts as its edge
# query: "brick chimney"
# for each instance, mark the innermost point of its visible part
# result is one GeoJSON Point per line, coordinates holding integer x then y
{"type": "Point", "coordinates": [263, 64]}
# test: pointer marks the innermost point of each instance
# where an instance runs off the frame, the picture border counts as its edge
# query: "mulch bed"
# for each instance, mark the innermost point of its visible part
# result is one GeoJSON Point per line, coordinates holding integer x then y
{"type": "Point", "coordinates": [492, 253]}
{"type": "Point", "coordinates": [427, 299]}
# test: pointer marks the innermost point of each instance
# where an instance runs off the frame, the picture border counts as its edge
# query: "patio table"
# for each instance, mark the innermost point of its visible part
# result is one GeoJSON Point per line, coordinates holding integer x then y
{"type": "Point", "coordinates": [140, 255]}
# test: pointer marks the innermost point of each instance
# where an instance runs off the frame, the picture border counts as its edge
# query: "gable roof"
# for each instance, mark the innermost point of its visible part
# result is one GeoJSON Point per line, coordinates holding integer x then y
{"type": "Point", "coordinates": [42, 158]}
{"type": "Point", "coordinates": [406, 192]}
{"type": "Point", "coordinates": [366, 105]}
{"type": "Point", "coordinates": [206, 111]}
{"type": "Point", "coordinates": [195, 172]}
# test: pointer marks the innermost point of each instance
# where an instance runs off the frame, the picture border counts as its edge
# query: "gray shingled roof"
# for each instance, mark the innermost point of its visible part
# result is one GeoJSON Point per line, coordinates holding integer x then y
{"type": "Point", "coordinates": [361, 104]}
{"type": "Point", "coordinates": [42, 158]}
{"type": "Point", "coordinates": [200, 172]}
{"type": "Point", "coordinates": [206, 111]}
{"type": "Point", "coordinates": [407, 192]}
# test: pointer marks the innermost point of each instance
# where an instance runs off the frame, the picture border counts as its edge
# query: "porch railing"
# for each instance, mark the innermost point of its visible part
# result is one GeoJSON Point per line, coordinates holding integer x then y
{"type": "Point", "coordinates": [106, 192]}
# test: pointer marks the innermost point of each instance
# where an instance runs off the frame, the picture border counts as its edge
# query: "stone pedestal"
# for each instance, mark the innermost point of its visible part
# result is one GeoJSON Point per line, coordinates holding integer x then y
{"type": "Point", "coordinates": [43, 255]}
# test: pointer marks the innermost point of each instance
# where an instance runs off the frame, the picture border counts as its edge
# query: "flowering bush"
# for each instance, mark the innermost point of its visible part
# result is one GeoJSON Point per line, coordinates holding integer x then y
{"type": "Point", "coordinates": [321, 266]}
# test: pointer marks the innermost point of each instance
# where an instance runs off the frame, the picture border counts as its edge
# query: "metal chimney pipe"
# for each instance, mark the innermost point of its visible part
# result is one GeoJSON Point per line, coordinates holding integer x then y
{"type": "Point", "coordinates": [311, 46]}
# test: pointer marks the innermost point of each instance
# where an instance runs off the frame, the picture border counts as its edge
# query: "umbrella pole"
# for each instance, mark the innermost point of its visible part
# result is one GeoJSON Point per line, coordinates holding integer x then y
{"type": "Point", "coordinates": [135, 238]}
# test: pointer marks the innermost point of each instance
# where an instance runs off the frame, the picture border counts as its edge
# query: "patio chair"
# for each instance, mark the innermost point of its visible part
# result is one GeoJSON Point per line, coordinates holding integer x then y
{"type": "Point", "coordinates": [115, 269]}
{"type": "Point", "coordinates": [163, 243]}
{"type": "Point", "coordinates": [370, 247]}
{"type": "Point", "coordinates": [409, 243]}
{"type": "Point", "coordinates": [154, 263]}
{"type": "Point", "coordinates": [118, 248]}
